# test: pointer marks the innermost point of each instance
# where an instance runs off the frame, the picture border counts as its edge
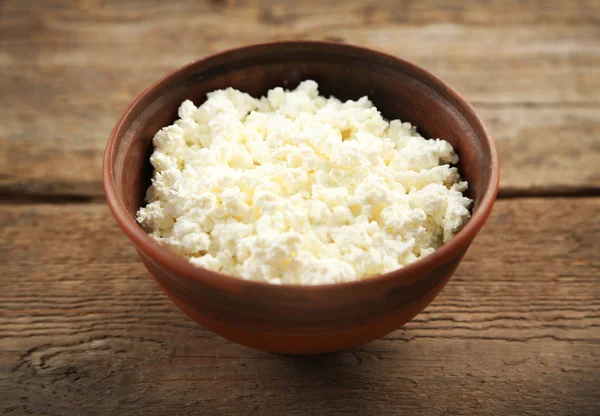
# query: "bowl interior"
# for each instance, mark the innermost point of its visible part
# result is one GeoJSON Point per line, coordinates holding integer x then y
{"type": "Point", "coordinates": [397, 88]}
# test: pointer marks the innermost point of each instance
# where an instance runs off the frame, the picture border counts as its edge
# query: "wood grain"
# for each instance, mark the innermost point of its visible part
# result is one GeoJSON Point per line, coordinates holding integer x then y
{"type": "Point", "coordinates": [357, 12]}
{"type": "Point", "coordinates": [84, 330]}
{"type": "Point", "coordinates": [67, 70]}
{"type": "Point", "coordinates": [540, 148]}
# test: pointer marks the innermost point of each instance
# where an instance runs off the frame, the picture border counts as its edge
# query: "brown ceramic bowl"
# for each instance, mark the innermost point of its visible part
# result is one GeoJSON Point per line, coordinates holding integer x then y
{"type": "Point", "coordinates": [290, 318]}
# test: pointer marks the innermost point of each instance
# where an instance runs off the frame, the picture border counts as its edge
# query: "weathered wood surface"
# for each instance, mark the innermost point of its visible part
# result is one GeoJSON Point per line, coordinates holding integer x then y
{"type": "Point", "coordinates": [85, 330]}
{"type": "Point", "coordinates": [67, 70]}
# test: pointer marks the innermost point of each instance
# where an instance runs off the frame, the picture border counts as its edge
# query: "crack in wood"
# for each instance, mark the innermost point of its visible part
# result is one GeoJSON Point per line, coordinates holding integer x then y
{"type": "Point", "coordinates": [549, 192]}
{"type": "Point", "coordinates": [24, 198]}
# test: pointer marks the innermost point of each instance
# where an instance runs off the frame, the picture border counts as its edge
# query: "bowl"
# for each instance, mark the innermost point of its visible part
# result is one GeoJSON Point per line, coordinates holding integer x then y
{"type": "Point", "coordinates": [292, 318]}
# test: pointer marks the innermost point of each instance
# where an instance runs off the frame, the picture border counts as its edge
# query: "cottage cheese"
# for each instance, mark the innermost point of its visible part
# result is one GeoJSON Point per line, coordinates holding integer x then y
{"type": "Point", "coordinates": [296, 188]}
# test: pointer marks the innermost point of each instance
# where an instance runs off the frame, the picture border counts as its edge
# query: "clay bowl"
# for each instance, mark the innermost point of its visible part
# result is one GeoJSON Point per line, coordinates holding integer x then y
{"type": "Point", "coordinates": [301, 319]}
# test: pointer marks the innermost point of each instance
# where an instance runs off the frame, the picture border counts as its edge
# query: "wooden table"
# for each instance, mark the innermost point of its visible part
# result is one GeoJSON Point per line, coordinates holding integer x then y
{"type": "Point", "coordinates": [84, 330]}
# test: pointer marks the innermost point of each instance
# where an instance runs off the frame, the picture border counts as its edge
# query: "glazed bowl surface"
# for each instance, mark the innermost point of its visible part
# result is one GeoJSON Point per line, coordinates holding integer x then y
{"type": "Point", "coordinates": [291, 318]}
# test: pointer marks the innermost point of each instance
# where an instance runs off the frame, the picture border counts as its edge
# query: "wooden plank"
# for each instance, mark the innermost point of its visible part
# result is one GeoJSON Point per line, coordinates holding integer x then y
{"type": "Point", "coordinates": [84, 330]}
{"type": "Point", "coordinates": [356, 12]}
{"type": "Point", "coordinates": [546, 149]}
{"type": "Point", "coordinates": [538, 91]}
{"type": "Point", "coordinates": [536, 63]}
{"type": "Point", "coordinates": [540, 148]}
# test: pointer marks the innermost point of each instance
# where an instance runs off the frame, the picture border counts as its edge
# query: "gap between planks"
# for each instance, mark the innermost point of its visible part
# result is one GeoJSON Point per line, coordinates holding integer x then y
{"type": "Point", "coordinates": [24, 198]}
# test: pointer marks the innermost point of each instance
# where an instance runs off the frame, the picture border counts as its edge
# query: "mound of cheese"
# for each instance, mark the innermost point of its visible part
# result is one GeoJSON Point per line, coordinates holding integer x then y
{"type": "Point", "coordinates": [296, 188]}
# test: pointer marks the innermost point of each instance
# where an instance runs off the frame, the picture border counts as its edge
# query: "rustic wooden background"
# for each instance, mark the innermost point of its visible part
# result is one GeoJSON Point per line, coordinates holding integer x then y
{"type": "Point", "coordinates": [84, 330]}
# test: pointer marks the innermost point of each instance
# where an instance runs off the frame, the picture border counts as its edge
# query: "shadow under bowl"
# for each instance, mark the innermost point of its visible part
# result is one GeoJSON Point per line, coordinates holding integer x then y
{"type": "Point", "coordinates": [291, 318]}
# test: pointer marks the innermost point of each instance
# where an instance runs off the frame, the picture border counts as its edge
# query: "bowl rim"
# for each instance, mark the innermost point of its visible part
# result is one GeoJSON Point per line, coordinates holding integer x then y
{"type": "Point", "coordinates": [183, 267]}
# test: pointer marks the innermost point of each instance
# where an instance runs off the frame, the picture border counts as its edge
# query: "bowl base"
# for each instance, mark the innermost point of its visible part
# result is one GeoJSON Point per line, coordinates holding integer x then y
{"type": "Point", "coordinates": [311, 343]}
